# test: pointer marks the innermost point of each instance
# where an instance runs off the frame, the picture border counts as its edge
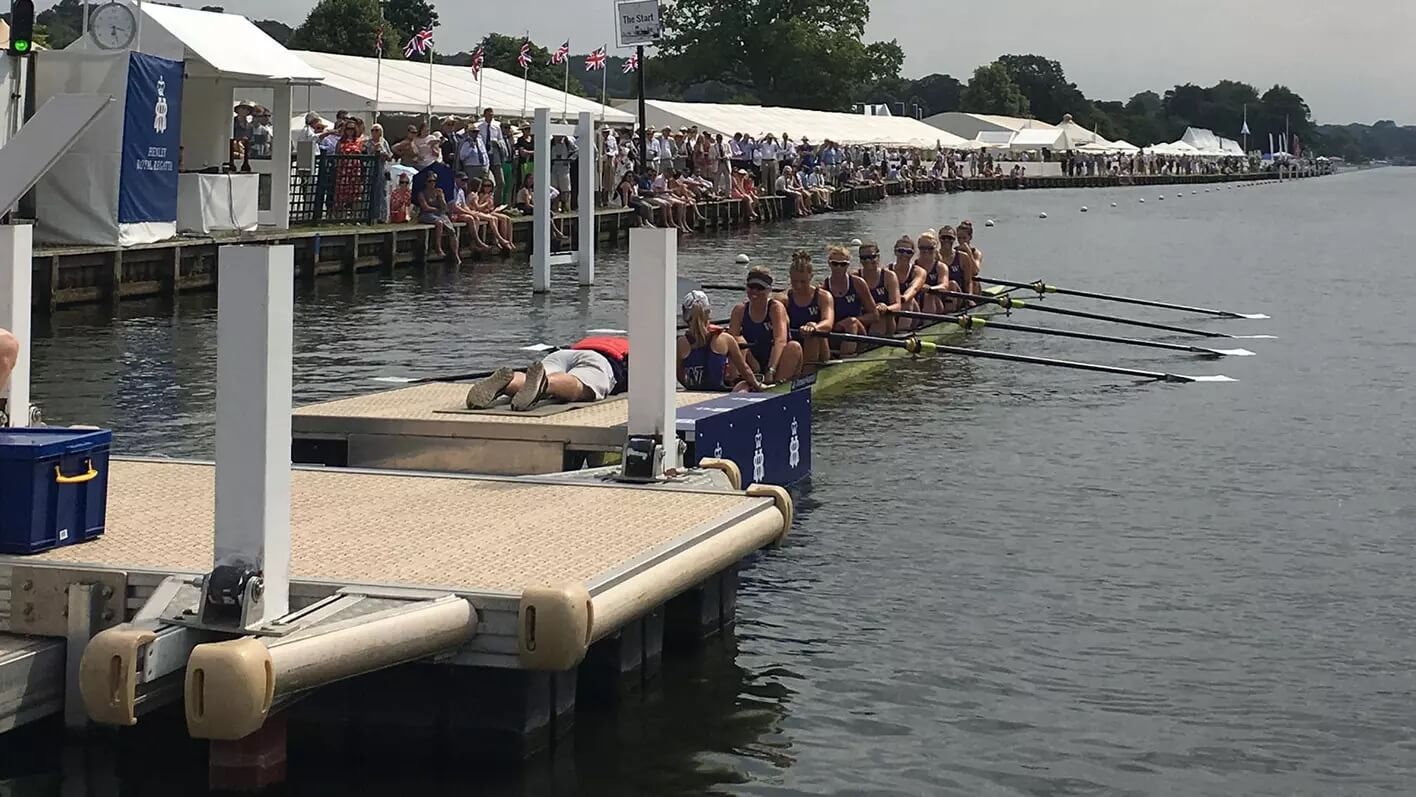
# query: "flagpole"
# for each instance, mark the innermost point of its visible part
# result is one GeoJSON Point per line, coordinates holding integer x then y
{"type": "Point", "coordinates": [604, 85]}
{"type": "Point", "coordinates": [565, 95]}
{"type": "Point", "coordinates": [430, 87]}
{"type": "Point", "coordinates": [525, 80]}
{"type": "Point", "coordinates": [378, 68]}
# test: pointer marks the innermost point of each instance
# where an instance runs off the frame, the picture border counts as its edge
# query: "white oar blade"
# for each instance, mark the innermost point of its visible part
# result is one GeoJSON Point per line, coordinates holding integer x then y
{"type": "Point", "coordinates": [395, 380]}
{"type": "Point", "coordinates": [1220, 378]}
{"type": "Point", "coordinates": [538, 347]}
{"type": "Point", "coordinates": [1254, 337]}
{"type": "Point", "coordinates": [1233, 352]}
{"type": "Point", "coordinates": [1253, 316]}
{"type": "Point", "coordinates": [607, 332]}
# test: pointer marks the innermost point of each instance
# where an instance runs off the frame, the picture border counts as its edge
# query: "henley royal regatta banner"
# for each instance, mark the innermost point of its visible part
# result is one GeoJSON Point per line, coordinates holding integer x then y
{"type": "Point", "coordinates": [152, 138]}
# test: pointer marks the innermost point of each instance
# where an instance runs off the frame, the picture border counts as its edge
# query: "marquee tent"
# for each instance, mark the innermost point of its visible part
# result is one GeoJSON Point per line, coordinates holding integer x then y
{"type": "Point", "coordinates": [350, 81]}
{"type": "Point", "coordinates": [969, 125]}
{"type": "Point", "coordinates": [843, 128]}
{"type": "Point", "coordinates": [1036, 138]}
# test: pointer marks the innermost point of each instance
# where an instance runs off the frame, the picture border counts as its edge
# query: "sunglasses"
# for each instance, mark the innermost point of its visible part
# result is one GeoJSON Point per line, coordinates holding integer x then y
{"type": "Point", "coordinates": [904, 251]}
{"type": "Point", "coordinates": [757, 287]}
{"type": "Point", "coordinates": [926, 249]}
{"type": "Point", "coordinates": [870, 257]}
{"type": "Point", "coordinates": [840, 264]}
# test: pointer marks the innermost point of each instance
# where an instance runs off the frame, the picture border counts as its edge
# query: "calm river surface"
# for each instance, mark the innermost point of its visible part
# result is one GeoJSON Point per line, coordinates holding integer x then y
{"type": "Point", "coordinates": [1003, 579]}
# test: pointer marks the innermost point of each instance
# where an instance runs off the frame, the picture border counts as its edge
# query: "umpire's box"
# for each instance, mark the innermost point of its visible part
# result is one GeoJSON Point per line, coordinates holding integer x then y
{"type": "Point", "coordinates": [768, 435]}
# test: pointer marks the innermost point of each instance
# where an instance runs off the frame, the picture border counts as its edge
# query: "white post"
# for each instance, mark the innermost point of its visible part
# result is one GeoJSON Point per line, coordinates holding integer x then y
{"type": "Point", "coordinates": [16, 247]}
{"type": "Point", "coordinates": [541, 223]}
{"type": "Point", "coordinates": [653, 283]}
{"type": "Point", "coordinates": [589, 168]}
{"type": "Point", "coordinates": [281, 166]}
{"type": "Point", "coordinates": [254, 323]}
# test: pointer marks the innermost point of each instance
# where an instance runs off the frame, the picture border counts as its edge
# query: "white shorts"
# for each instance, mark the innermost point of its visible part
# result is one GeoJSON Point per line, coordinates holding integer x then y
{"type": "Point", "coordinates": [590, 367]}
{"type": "Point", "coordinates": [563, 182]}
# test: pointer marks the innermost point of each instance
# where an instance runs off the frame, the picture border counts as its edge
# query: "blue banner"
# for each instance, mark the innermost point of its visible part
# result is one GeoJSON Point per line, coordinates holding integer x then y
{"type": "Point", "coordinates": [768, 435]}
{"type": "Point", "coordinates": [152, 140]}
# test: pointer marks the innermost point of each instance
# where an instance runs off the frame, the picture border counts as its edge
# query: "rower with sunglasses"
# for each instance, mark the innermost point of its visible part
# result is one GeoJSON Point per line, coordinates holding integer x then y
{"type": "Point", "coordinates": [809, 308]}
{"type": "Point", "coordinates": [760, 324]}
{"type": "Point", "coordinates": [910, 278]}
{"type": "Point", "coordinates": [854, 309]}
{"type": "Point", "coordinates": [884, 288]}
{"type": "Point", "coordinates": [936, 274]}
{"type": "Point", "coordinates": [959, 264]}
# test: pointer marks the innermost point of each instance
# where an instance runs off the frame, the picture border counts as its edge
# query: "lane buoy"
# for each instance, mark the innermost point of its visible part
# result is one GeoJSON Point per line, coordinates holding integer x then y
{"type": "Point", "coordinates": [743, 260]}
{"type": "Point", "coordinates": [1113, 204]}
{"type": "Point", "coordinates": [1084, 208]}
{"type": "Point", "coordinates": [1161, 197]}
{"type": "Point", "coordinates": [1042, 215]}
{"type": "Point", "coordinates": [988, 223]}
{"type": "Point", "coordinates": [1143, 200]}
{"type": "Point", "coordinates": [855, 242]}
{"type": "Point", "coordinates": [1194, 193]}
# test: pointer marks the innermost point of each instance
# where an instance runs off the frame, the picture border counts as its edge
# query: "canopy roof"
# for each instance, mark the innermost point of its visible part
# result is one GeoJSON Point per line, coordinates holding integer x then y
{"type": "Point", "coordinates": [350, 82]}
{"type": "Point", "coordinates": [229, 44]}
{"type": "Point", "coordinates": [1032, 138]}
{"type": "Point", "coordinates": [843, 128]}
{"type": "Point", "coordinates": [1201, 139]}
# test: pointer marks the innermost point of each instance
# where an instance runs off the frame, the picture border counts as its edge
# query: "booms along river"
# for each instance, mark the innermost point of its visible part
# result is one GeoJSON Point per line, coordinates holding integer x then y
{"type": "Point", "coordinates": [1003, 579]}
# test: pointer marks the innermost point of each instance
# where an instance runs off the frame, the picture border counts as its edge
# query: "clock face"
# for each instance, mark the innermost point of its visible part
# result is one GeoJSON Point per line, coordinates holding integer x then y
{"type": "Point", "coordinates": [113, 26]}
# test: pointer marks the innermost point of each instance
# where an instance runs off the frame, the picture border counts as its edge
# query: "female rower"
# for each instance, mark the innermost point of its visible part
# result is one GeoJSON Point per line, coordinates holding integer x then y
{"type": "Point", "coordinates": [910, 278]}
{"type": "Point", "coordinates": [854, 308]}
{"type": "Point", "coordinates": [761, 324]}
{"type": "Point", "coordinates": [884, 288]}
{"type": "Point", "coordinates": [809, 308]}
{"type": "Point", "coordinates": [960, 266]}
{"type": "Point", "coordinates": [936, 274]}
{"type": "Point", "coordinates": [708, 359]}
{"type": "Point", "coordinates": [966, 231]}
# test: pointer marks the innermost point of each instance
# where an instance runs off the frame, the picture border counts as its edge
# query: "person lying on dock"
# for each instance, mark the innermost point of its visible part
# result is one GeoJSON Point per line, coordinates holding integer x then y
{"type": "Point", "coordinates": [760, 325]}
{"type": "Point", "coordinates": [9, 355]}
{"type": "Point", "coordinates": [708, 357]}
{"type": "Point", "coordinates": [592, 369]}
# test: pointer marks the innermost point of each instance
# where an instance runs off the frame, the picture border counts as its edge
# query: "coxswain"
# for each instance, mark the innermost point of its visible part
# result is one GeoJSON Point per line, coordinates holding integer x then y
{"type": "Point", "coordinates": [809, 308]}
{"type": "Point", "coordinates": [960, 265]}
{"type": "Point", "coordinates": [708, 357]}
{"type": "Point", "coordinates": [910, 278]}
{"type": "Point", "coordinates": [884, 288]}
{"type": "Point", "coordinates": [936, 274]}
{"type": "Point", "coordinates": [9, 356]}
{"type": "Point", "coordinates": [760, 323]}
{"type": "Point", "coordinates": [590, 370]}
{"type": "Point", "coordinates": [854, 309]}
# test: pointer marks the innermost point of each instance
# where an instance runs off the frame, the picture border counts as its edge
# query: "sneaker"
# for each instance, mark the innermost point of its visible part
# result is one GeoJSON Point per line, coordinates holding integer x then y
{"type": "Point", "coordinates": [533, 390]}
{"type": "Point", "coordinates": [485, 393]}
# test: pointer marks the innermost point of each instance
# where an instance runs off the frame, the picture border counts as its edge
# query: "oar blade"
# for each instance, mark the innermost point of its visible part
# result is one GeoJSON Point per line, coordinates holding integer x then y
{"type": "Point", "coordinates": [1254, 337]}
{"type": "Point", "coordinates": [395, 380]}
{"type": "Point", "coordinates": [1233, 352]}
{"type": "Point", "coordinates": [1253, 316]}
{"type": "Point", "coordinates": [538, 347]}
{"type": "Point", "coordinates": [1216, 378]}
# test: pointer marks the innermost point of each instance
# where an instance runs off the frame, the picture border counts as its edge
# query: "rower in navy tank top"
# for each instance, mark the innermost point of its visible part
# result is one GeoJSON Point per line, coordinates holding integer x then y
{"type": "Point", "coordinates": [880, 293]}
{"type": "Point", "coordinates": [757, 333]}
{"type": "Point", "coordinates": [798, 315]}
{"type": "Point", "coordinates": [847, 305]}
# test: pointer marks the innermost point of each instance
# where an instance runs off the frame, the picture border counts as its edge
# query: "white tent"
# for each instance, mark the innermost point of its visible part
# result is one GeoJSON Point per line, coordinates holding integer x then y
{"type": "Point", "coordinates": [1201, 139]}
{"type": "Point", "coordinates": [992, 139]}
{"type": "Point", "coordinates": [843, 128]}
{"type": "Point", "coordinates": [1231, 148]}
{"type": "Point", "coordinates": [1074, 135]}
{"type": "Point", "coordinates": [403, 87]}
{"type": "Point", "coordinates": [1122, 145]}
{"type": "Point", "coordinates": [172, 108]}
{"type": "Point", "coordinates": [1036, 138]}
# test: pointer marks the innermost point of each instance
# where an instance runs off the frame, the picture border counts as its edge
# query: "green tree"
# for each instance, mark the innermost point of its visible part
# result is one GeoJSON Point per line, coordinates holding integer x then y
{"type": "Point", "coordinates": [279, 31]}
{"type": "Point", "coordinates": [347, 27]}
{"type": "Point", "coordinates": [802, 53]}
{"type": "Point", "coordinates": [992, 90]}
{"type": "Point", "coordinates": [63, 22]}
{"type": "Point", "coordinates": [1045, 86]}
{"type": "Point", "coordinates": [411, 16]}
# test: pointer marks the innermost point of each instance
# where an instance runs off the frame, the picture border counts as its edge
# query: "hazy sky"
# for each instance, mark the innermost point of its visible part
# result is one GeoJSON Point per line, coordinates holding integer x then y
{"type": "Point", "coordinates": [1352, 60]}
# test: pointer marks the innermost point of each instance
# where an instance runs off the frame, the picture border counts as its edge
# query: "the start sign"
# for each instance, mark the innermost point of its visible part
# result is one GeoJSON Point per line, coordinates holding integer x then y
{"type": "Point", "coordinates": [638, 22]}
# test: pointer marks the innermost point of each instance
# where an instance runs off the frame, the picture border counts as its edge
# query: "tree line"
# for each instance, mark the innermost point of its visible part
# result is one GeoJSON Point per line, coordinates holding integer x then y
{"type": "Point", "coordinates": [812, 54]}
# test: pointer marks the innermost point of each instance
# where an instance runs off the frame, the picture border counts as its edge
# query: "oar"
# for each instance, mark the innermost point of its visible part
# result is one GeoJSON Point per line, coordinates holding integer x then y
{"type": "Point", "coordinates": [917, 346]}
{"type": "Point", "coordinates": [1043, 288]}
{"type": "Point", "coordinates": [978, 322]}
{"type": "Point", "coordinates": [1009, 303]}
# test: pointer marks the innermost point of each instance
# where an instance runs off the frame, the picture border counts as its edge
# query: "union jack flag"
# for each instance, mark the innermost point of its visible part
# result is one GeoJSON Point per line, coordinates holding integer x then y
{"type": "Point", "coordinates": [378, 41]}
{"type": "Point", "coordinates": [561, 54]}
{"type": "Point", "coordinates": [596, 61]}
{"type": "Point", "coordinates": [421, 43]}
{"type": "Point", "coordinates": [632, 65]}
{"type": "Point", "coordinates": [478, 59]}
{"type": "Point", "coordinates": [524, 60]}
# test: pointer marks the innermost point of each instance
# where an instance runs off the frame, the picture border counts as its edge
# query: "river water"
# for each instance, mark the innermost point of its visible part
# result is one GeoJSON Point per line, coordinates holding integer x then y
{"type": "Point", "coordinates": [1003, 579]}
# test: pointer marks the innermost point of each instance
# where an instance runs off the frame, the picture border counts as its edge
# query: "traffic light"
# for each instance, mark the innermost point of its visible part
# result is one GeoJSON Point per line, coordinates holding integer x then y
{"type": "Point", "coordinates": [22, 27]}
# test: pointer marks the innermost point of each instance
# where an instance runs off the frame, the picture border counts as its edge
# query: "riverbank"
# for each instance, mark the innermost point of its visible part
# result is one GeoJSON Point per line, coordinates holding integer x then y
{"type": "Point", "coordinates": [76, 275]}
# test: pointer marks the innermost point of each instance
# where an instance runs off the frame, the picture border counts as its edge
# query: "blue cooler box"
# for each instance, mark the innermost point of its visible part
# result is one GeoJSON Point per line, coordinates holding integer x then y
{"type": "Point", "coordinates": [53, 487]}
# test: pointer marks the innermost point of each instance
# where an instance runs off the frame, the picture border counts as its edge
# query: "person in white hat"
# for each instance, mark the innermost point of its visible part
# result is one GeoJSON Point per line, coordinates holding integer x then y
{"type": "Point", "coordinates": [708, 358]}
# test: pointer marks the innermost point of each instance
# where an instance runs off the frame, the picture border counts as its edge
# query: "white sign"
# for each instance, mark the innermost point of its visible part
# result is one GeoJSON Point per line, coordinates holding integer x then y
{"type": "Point", "coordinates": [638, 22]}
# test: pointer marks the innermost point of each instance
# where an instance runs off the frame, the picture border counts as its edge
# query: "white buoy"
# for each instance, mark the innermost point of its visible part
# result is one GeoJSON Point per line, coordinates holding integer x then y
{"type": "Point", "coordinates": [1042, 215]}
{"type": "Point", "coordinates": [1161, 197]}
{"type": "Point", "coordinates": [743, 260]}
{"type": "Point", "coordinates": [1143, 200]}
{"type": "Point", "coordinates": [855, 242]}
{"type": "Point", "coordinates": [1194, 193]}
{"type": "Point", "coordinates": [1113, 204]}
{"type": "Point", "coordinates": [1084, 208]}
{"type": "Point", "coordinates": [988, 223]}
{"type": "Point", "coordinates": [1180, 195]}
